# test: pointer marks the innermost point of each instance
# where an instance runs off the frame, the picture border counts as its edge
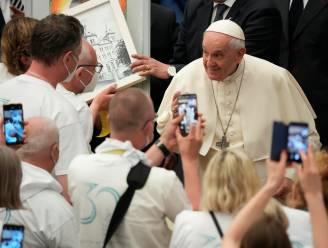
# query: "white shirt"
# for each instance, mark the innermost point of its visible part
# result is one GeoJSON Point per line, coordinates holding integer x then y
{"type": "Point", "coordinates": [304, 3]}
{"type": "Point", "coordinates": [39, 98]}
{"type": "Point", "coordinates": [47, 217]}
{"type": "Point", "coordinates": [197, 229]}
{"type": "Point", "coordinates": [97, 181]}
{"type": "Point", "coordinates": [229, 3]}
{"type": "Point", "coordinates": [83, 110]}
{"type": "Point", "coordinates": [4, 74]}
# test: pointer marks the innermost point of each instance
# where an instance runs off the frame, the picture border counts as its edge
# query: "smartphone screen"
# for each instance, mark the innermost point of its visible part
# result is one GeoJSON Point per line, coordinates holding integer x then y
{"type": "Point", "coordinates": [13, 124]}
{"type": "Point", "coordinates": [12, 236]}
{"type": "Point", "coordinates": [187, 104]}
{"type": "Point", "coordinates": [297, 140]}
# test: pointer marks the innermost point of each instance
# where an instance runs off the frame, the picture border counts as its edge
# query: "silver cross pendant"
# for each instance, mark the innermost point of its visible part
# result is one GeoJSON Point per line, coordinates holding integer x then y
{"type": "Point", "coordinates": [223, 144]}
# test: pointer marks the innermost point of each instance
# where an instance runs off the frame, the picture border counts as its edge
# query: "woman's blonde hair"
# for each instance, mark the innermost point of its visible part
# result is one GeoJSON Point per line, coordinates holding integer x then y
{"type": "Point", "coordinates": [16, 43]}
{"type": "Point", "coordinates": [10, 178]}
{"type": "Point", "coordinates": [230, 180]}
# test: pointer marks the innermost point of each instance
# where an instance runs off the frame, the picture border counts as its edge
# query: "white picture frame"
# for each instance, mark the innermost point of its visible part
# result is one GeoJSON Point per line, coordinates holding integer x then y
{"type": "Point", "coordinates": [106, 29]}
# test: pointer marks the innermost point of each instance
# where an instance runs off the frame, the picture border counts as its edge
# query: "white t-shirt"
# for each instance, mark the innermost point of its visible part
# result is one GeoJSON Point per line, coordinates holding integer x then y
{"type": "Point", "coordinates": [47, 217]}
{"type": "Point", "coordinates": [39, 98]}
{"type": "Point", "coordinates": [83, 110]}
{"type": "Point", "coordinates": [4, 74]}
{"type": "Point", "coordinates": [197, 229]}
{"type": "Point", "coordinates": [97, 181]}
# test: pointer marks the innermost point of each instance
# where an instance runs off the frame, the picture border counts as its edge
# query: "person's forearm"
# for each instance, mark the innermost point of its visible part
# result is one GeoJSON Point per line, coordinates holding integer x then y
{"type": "Point", "coordinates": [191, 180]}
{"type": "Point", "coordinates": [154, 155]}
{"type": "Point", "coordinates": [248, 216]}
{"type": "Point", "coordinates": [319, 220]}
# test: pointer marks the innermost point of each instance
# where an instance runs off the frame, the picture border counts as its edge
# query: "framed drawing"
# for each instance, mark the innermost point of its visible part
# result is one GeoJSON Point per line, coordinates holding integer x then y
{"type": "Point", "coordinates": [106, 30]}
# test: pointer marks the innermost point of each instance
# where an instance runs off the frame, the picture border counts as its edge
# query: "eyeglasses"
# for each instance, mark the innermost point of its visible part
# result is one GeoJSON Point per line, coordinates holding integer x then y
{"type": "Point", "coordinates": [98, 67]}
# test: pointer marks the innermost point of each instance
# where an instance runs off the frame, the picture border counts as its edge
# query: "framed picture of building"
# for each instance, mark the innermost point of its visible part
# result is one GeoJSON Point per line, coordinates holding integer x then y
{"type": "Point", "coordinates": [106, 29]}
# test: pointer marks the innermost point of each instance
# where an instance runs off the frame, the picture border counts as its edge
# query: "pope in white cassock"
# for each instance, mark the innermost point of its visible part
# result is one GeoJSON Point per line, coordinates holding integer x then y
{"type": "Point", "coordinates": [239, 95]}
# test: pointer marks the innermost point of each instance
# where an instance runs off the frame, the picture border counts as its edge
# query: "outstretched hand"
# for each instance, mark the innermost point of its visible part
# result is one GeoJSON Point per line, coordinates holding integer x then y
{"type": "Point", "coordinates": [190, 145]}
{"type": "Point", "coordinates": [308, 174]}
{"type": "Point", "coordinates": [147, 66]}
{"type": "Point", "coordinates": [276, 172]}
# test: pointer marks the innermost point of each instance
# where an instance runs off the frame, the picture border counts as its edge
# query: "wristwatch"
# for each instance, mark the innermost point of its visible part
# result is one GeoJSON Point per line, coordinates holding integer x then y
{"type": "Point", "coordinates": [166, 152]}
{"type": "Point", "coordinates": [171, 70]}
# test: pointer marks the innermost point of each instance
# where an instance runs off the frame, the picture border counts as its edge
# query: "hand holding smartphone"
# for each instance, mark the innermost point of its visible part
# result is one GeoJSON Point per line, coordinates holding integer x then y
{"type": "Point", "coordinates": [187, 105]}
{"type": "Point", "coordinates": [13, 124]}
{"type": "Point", "coordinates": [12, 236]}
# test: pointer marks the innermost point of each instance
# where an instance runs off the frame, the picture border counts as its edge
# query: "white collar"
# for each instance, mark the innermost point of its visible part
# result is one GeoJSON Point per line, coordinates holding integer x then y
{"type": "Point", "coordinates": [129, 152]}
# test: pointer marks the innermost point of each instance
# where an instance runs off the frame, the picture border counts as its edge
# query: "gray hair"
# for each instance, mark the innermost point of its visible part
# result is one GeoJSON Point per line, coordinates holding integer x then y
{"type": "Point", "coordinates": [237, 44]}
{"type": "Point", "coordinates": [42, 134]}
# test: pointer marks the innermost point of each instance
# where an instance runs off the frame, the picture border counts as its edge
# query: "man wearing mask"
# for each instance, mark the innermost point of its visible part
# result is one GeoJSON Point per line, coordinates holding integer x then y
{"type": "Point", "coordinates": [84, 80]}
{"type": "Point", "coordinates": [55, 48]}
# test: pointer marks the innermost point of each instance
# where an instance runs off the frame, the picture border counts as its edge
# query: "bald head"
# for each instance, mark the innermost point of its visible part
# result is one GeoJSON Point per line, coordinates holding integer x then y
{"type": "Point", "coordinates": [42, 134]}
{"type": "Point", "coordinates": [88, 55]}
{"type": "Point", "coordinates": [129, 110]}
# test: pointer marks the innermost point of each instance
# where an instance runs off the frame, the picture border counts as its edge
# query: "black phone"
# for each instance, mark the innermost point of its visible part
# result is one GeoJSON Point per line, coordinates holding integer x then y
{"type": "Point", "coordinates": [187, 104]}
{"type": "Point", "coordinates": [279, 140]}
{"type": "Point", "coordinates": [13, 123]}
{"type": "Point", "coordinates": [12, 236]}
{"type": "Point", "coordinates": [297, 140]}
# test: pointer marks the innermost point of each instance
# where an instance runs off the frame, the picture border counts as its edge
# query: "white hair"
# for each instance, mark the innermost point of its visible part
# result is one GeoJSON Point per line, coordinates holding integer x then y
{"type": "Point", "coordinates": [237, 43]}
{"type": "Point", "coordinates": [40, 137]}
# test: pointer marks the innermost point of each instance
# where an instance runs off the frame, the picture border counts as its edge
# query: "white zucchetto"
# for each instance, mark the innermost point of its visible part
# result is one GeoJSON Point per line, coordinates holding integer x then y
{"type": "Point", "coordinates": [227, 27]}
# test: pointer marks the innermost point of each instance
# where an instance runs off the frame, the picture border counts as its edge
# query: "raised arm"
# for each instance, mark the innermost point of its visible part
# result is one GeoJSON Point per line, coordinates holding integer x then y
{"type": "Point", "coordinates": [189, 148]}
{"type": "Point", "coordinates": [312, 187]}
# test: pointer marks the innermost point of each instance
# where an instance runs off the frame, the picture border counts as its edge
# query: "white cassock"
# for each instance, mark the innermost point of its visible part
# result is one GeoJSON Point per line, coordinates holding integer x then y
{"type": "Point", "coordinates": [267, 93]}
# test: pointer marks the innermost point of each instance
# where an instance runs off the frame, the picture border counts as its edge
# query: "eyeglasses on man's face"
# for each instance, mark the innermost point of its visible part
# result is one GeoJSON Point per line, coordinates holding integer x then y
{"type": "Point", "coordinates": [98, 67]}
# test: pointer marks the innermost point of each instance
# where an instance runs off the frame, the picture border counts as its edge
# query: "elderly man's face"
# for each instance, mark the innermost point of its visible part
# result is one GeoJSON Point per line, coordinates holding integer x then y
{"type": "Point", "coordinates": [219, 59]}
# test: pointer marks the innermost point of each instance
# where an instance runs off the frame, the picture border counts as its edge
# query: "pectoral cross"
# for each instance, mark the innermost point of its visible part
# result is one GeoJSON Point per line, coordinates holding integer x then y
{"type": "Point", "coordinates": [223, 143]}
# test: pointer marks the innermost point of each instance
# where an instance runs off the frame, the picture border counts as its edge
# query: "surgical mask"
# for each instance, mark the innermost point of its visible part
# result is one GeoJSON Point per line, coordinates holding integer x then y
{"type": "Point", "coordinates": [92, 84]}
{"type": "Point", "coordinates": [70, 74]}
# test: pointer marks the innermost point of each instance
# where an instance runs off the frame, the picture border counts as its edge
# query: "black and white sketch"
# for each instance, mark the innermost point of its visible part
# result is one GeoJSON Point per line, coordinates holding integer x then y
{"type": "Point", "coordinates": [106, 29]}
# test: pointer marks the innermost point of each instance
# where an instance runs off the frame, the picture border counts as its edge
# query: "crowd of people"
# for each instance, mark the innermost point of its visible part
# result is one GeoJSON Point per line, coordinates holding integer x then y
{"type": "Point", "coordinates": [247, 72]}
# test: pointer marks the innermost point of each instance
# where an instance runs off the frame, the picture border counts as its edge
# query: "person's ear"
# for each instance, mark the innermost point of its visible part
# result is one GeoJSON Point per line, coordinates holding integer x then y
{"type": "Point", "coordinates": [241, 54]}
{"type": "Point", "coordinates": [67, 57]}
{"type": "Point", "coordinates": [54, 152]}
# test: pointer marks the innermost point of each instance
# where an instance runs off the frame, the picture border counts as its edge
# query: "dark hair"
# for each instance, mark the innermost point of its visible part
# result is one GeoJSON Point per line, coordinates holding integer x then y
{"type": "Point", "coordinates": [267, 232]}
{"type": "Point", "coordinates": [55, 35]}
{"type": "Point", "coordinates": [16, 43]}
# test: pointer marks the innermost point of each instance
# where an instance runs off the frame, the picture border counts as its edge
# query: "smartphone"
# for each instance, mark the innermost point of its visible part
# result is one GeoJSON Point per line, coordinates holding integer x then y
{"type": "Point", "coordinates": [187, 104]}
{"type": "Point", "coordinates": [13, 123]}
{"type": "Point", "coordinates": [279, 139]}
{"type": "Point", "coordinates": [297, 140]}
{"type": "Point", "coordinates": [12, 236]}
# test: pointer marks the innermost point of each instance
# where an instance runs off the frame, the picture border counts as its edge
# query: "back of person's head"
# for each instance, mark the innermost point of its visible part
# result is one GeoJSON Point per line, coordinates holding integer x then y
{"type": "Point", "coordinates": [55, 35]}
{"type": "Point", "coordinates": [10, 178]}
{"type": "Point", "coordinates": [130, 110]}
{"type": "Point", "coordinates": [230, 180]}
{"type": "Point", "coordinates": [296, 198]}
{"type": "Point", "coordinates": [267, 232]}
{"type": "Point", "coordinates": [16, 44]}
{"type": "Point", "coordinates": [41, 143]}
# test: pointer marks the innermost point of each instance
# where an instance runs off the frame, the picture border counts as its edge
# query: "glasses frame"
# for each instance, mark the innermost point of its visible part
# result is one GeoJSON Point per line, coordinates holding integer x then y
{"type": "Point", "coordinates": [98, 67]}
